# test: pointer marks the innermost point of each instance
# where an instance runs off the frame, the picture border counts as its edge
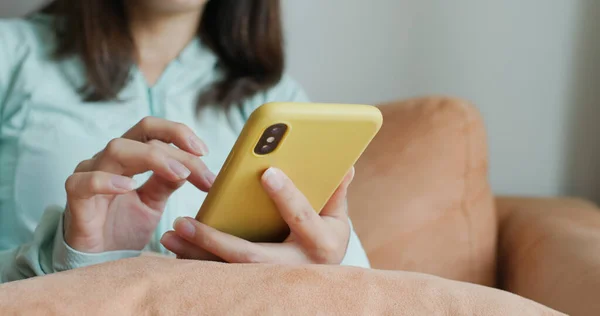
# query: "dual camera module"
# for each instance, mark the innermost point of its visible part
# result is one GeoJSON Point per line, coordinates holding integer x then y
{"type": "Point", "coordinates": [270, 139]}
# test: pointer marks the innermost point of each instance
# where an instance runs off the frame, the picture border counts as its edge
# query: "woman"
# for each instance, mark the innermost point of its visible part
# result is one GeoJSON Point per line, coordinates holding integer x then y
{"type": "Point", "coordinates": [104, 89]}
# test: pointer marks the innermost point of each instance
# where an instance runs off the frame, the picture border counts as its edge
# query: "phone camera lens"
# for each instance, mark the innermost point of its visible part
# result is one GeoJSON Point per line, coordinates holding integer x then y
{"type": "Point", "coordinates": [270, 139]}
{"type": "Point", "coordinates": [265, 149]}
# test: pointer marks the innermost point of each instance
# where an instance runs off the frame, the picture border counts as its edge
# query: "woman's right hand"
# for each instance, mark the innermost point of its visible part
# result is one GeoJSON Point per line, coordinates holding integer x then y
{"type": "Point", "coordinates": [105, 211]}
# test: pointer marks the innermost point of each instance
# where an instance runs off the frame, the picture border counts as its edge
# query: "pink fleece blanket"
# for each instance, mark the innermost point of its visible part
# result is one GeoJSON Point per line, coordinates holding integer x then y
{"type": "Point", "coordinates": [161, 286]}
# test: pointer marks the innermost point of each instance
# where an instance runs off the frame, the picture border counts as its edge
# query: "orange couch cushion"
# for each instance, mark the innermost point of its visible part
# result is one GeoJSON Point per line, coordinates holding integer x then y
{"type": "Point", "coordinates": [158, 286]}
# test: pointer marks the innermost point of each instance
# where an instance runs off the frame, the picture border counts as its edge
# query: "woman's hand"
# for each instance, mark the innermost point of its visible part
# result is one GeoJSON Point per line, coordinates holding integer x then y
{"type": "Point", "coordinates": [105, 211]}
{"type": "Point", "coordinates": [314, 238]}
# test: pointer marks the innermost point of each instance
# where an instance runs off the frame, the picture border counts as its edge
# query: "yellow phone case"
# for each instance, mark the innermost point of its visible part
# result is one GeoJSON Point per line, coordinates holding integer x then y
{"type": "Point", "coordinates": [322, 142]}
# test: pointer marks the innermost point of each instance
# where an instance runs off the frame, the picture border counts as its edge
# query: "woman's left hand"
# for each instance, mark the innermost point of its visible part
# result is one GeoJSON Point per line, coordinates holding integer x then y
{"type": "Point", "coordinates": [314, 238]}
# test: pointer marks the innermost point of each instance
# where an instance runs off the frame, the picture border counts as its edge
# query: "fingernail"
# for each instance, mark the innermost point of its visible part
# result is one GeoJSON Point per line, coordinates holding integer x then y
{"type": "Point", "coordinates": [209, 176]}
{"type": "Point", "coordinates": [179, 169]}
{"type": "Point", "coordinates": [170, 243]}
{"type": "Point", "coordinates": [273, 179]}
{"type": "Point", "coordinates": [164, 239]}
{"type": "Point", "coordinates": [185, 227]}
{"type": "Point", "coordinates": [351, 175]}
{"type": "Point", "coordinates": [123, 183]}
{"type": "Point", "coordinates": [198, 145]}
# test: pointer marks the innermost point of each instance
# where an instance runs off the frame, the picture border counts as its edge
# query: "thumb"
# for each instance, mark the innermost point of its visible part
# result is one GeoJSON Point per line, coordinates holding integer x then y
{"type": "Point", "coordinates": [337, 205]}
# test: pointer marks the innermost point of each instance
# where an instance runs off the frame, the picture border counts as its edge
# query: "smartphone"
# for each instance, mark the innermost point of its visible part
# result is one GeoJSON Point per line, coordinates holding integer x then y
{"type": "Point", "coordinates": [315, 144]}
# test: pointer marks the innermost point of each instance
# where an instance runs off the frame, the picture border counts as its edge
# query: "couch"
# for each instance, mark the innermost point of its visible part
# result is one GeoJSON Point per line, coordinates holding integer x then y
{"type": "Point", "coordinates": [439, 241]}
{"type": "Point", "coordinates": [435, 213]}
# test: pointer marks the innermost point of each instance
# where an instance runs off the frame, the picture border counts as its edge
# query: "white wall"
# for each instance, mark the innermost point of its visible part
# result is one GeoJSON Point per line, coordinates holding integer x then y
{"type": "Point", "coordinates": [532, 67]}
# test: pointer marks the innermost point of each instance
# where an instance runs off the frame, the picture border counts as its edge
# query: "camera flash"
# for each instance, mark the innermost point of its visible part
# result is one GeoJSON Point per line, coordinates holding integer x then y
{"type": "Point", "coordinates": [270, 139]}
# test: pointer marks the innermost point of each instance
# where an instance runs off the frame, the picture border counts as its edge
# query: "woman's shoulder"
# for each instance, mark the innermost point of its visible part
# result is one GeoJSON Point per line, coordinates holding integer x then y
{"type": "Point", "coordinates": [26, 28]}
{"type": "Point", "coordinates": [286, 90]}
{"type": "Point", "coordinates": [19, 36]}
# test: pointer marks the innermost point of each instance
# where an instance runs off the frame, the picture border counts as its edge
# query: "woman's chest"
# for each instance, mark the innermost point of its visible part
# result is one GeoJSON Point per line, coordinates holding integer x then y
{"type": "Point", "coordinates": [52, 130]}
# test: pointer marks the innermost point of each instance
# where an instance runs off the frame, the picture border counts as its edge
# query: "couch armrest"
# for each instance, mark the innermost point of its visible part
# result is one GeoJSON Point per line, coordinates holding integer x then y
{"type": "Point", "coordinates": [421, 200]}
{"type": "Point", "coordinates": [549, 251]}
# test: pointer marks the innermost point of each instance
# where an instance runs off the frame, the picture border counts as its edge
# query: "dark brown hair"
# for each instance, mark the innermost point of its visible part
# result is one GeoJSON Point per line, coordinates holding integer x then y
{"type": "Point", "coordinates": [245, 35]}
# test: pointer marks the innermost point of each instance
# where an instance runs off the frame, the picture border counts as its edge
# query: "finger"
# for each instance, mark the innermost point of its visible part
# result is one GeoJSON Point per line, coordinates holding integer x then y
{"type": "Point", "coordinates": [128, 157]}
{"type": "Point", "coordinates": [184, 249]}
{"type": "Point", "coordinates": [232, 249]}
{"type": "Point", "coordinates": [169, 132]}
{"type": "Point", "coordinates": [337, 205]}
{"type": "Point", "coordinates": [294, 208]}
{"type": "Point", "coordinates": [157, 190]}
{"type": "Point", "coordinates": [83, 185]}
{"type": "Point", "coordinates": [200, 176]}
{"type": "Point", "coordinates": [85, 166]}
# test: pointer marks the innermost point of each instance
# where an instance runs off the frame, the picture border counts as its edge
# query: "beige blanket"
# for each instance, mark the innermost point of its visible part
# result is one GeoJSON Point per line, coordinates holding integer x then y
{"type": "Point", "coordinates": [160, 286]}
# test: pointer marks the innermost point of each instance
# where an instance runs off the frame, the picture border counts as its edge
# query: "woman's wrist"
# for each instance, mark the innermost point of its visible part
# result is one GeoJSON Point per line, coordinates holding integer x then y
{"type": "Point", "coordinates": [66, 258]}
